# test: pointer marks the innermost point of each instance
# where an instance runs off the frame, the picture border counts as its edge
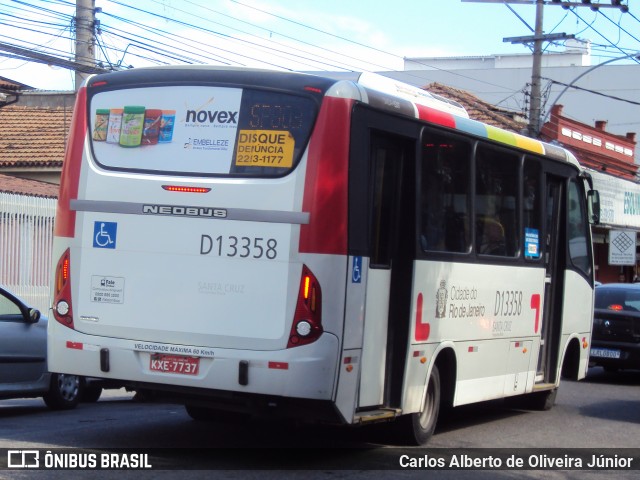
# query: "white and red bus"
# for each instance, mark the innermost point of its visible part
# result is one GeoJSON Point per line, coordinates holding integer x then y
{"type": "Point", "coordinates": [329, 250]}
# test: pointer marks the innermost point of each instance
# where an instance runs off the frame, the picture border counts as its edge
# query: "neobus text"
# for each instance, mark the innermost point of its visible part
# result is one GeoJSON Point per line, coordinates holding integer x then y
{"type": "Point", "coordinates": [184, 211]}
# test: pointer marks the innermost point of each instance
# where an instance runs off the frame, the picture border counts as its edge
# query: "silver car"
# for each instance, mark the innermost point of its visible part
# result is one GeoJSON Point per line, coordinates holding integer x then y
{"type": "Point", "coordinates": [23, 357]}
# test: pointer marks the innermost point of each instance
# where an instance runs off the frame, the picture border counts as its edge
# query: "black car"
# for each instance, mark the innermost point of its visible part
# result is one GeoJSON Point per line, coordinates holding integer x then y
{"type": "Point", "coordinates": [615, 341]}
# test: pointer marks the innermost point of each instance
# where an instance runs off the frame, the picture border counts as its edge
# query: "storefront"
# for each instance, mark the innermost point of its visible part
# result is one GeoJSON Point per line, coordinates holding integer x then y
{"type": "Point", "coordinates": [615, 239]}
{"type": "Point", "coordinates": [610, 160]}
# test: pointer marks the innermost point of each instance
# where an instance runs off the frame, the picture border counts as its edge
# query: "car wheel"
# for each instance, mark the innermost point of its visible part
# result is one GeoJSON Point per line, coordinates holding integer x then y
{"type": "Point", "coordinates": [64, 392]}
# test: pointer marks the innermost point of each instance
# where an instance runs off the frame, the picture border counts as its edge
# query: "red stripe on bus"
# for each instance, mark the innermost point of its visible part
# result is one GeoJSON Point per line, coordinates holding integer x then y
{"type": "Point", "coordinates": [422, 328]}
{"type": "Point", "coordinates": [69, 181]}
{"type": "Point", "coordinates": [535, 305]}
{"type": "Point", "coordinates": [436, 116]}
{"type": "Point", "coordinates": [75, 345]}
{"type": "Point", "coordinates": [325, 190]}
{"type": "Point", "coordinates": [279, 365]}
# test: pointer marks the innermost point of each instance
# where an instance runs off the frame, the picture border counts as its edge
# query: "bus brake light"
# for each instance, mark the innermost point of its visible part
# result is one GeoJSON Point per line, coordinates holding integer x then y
{"type": "Point", "coordinates": [307, 281]}
{"type": "Point", "coordinates": [178, 188]}
{"type": "Point", "coordinates": [62, 310]}
{"type": "Point", "coordinates": [307, 320]}
{"type": "Point", "coordinates": [62, 275]}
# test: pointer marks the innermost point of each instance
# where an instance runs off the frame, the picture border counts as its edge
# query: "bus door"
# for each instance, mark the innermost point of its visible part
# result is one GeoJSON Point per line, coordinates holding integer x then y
{"type": "Point", "coordinates": [553, 262]}
{"type": "Point", "coordinates": [389, 278]}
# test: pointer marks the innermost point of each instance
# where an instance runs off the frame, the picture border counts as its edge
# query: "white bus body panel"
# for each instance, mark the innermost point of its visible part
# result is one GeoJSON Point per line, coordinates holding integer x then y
{"type": "Point", "coordinates": [192, 284]}
{"type": "Point", "coordinates": [490, 307]}
{"type": "Point", "coordinates": [170, 286]}
{"type": "Point", "coordinates": [374, 349]}
{"type": "Point", "coordinates": [577, 314]}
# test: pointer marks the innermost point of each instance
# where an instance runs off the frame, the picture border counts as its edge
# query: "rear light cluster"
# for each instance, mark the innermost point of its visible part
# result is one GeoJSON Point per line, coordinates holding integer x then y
{"type": "Point", "coordinates": [62, 310]}
{"type": "Point", "coordinates": [307, 320]}
{"type": "Point", "coordinates": [179, 188]}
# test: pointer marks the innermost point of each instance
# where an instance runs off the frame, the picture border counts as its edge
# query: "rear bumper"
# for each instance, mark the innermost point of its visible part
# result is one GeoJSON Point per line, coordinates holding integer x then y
{"type": "Point", "coordinates": [306, 372]}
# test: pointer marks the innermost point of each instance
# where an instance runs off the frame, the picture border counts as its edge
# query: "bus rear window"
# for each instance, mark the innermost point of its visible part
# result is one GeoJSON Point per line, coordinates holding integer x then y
{"type": "Point", "coordinates": [200, 130]}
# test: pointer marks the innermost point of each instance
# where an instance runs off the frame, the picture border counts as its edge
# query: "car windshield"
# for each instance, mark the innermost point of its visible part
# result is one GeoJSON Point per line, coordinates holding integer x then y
{"type": "Point", "coordinates": [627, 299]}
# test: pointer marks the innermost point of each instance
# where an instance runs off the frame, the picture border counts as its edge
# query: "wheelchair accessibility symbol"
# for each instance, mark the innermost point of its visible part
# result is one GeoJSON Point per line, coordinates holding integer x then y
{"type": "Point", "coordinates": [104, 234]}
{"type": "Point", "coordinates": [356, 272]}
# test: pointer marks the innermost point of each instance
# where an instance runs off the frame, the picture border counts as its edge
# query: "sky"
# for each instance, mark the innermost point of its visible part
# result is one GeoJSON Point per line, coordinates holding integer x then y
{"type": "Point", "coordinates": [332, 35]}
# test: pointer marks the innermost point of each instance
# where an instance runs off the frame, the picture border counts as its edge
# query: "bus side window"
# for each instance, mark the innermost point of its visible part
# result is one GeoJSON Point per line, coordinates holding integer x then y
{"type": "Point", "coordinates": [384, 171]}
{"type": "Point", "coordinates": [444, 193]}
{"type": "Point", "coordinates": [578, 229]}
{"type": "Point", "coordinates": [496, 202]}
{"type": "Point", "coordinates": [531, 209]}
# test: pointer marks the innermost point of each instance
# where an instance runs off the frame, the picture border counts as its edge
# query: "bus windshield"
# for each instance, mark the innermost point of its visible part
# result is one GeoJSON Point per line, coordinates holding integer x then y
{"type": "Point", "coordinates": [200, 130]}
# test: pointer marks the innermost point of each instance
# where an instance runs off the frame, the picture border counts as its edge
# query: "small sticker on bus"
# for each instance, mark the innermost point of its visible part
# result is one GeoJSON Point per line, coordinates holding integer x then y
{"type": "Point", "coordinates": [265, 148]}
{"type": "Point", "coordinates": [356, 271]}
{"type": "Point", "coordinates": [531, 243]}
{"type": "Point", "coordinates": [107, 289]}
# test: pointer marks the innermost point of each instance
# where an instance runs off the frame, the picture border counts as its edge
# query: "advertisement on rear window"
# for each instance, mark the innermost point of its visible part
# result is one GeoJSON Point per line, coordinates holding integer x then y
{"type": "Point", "coordinates": [199, 130]}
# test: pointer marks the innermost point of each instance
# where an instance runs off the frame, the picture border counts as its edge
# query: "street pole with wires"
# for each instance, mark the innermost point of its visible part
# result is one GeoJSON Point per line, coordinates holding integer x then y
{"type": "Point", "coordinates": [84, 44]}
{"type": "Point", "coordinates": [538, 38]}
{"type": "Point", "coordinates": [536, 73]}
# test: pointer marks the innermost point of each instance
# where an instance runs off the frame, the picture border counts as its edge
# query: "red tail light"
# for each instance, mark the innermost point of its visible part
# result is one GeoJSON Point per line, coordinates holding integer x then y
{"type": "Point", "coordinates": [616, 306]}
{"type": "Point", "coordinates": [179, 188]}
{"type": "Point", "coordinates": [307, 320]}
{"type": "Point", "coordinates": [62, 310]}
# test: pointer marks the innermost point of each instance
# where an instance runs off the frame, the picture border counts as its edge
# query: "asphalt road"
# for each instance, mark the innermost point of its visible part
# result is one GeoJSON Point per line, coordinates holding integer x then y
{"type": "Point", "coordinates": [598, 413]}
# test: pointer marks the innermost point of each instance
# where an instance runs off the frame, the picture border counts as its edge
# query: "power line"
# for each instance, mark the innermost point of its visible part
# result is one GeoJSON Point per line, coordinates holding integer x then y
{"type": "Point", "coordinates": [596, 31]}
{"type": "Point", "coordinates": [620, 27]}
{"type": "Point", "coordinates": [106, 49]}
{"type": "Point", "coordinates": [595, 92]}
{"type": "Point", "coordinates": [155, 45]}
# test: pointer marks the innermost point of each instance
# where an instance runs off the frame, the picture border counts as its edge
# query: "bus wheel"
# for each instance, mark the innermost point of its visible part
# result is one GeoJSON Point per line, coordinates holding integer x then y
{"type": "Point", "coordinates": [542, 400]}
{"type": "Point", "coordinates": [90, 392]}
{"type": "Point", "coordinates": [205, 414]}
{"type": "Point", "coordinates": [202, 414]}
{"type": "Point", "coordinates": [417, 428]}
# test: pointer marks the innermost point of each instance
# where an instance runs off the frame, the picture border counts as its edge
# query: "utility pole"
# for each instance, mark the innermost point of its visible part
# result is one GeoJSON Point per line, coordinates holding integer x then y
{"type": "Point", "coordinates": [85, 46]}
{"type": "Point", "coordinates": [536, 73]}
{"type": "Point", "coordinates": [538, 38]}
{"type": "Point", "coordinates": [535, 109]}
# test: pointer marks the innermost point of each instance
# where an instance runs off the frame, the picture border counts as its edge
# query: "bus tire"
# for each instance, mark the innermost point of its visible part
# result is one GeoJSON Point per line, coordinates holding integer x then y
{"type": "Point", "coordinates": [64, 392]}
{"type": "Point", "coordinates": [206, 414]}
{"type": "Point", "coordinates": [91, 393]}
{"type": "Point", "coordinates": [417, 428]}
{"type": "Point", "coordinates": [542, 401]}
{"type": "Point", "coordinates": [202, 414]}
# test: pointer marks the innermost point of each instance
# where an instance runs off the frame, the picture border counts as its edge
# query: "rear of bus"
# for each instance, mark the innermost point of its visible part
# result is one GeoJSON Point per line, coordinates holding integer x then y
{"type": "Point", "coordinates": [188, 257]}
